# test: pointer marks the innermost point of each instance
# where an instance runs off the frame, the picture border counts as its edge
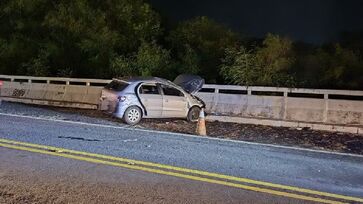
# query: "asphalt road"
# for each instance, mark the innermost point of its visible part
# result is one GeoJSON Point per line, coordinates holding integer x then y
{"type": "Point", "coordinates": [334, 173]}
{"type": "Point", "coordinates": [36, 178]}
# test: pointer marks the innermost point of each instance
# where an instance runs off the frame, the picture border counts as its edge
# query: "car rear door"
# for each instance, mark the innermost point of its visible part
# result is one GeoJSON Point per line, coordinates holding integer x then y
{"type": "Point", "coordinates": [174, 102]}
{"type": "Point", "coordinates": [151, 99]}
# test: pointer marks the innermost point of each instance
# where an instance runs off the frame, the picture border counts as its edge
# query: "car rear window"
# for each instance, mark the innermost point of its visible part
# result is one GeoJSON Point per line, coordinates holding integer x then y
{"type": "Point", "coordinates": [149, 89]}
{"type": "Point", "coordinates": [116, 85]}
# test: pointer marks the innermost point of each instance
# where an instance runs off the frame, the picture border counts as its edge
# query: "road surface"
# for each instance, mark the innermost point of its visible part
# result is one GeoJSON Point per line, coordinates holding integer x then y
{"type": "Point", "coordinates": [108, 162]}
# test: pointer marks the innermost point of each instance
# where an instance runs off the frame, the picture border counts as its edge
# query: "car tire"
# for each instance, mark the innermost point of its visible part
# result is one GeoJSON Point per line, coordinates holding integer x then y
{"type": "Point", "coordinates": [132, 115]}
{"type": "Point", "coordinates": [193, 114]}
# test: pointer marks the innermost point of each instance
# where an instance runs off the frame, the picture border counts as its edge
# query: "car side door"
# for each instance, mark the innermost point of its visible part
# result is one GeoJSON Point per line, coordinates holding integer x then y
{"type": "Point", "coordinates": [152, 99]}
{"type": "Point", "coordinates": [174, 102]}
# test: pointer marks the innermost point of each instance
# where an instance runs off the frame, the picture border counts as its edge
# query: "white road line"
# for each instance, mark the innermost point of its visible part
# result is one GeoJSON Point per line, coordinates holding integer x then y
{"type": "Point", "coordinates": [184, 135]}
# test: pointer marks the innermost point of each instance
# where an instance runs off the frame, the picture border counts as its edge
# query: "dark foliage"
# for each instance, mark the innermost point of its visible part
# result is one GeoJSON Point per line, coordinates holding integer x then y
{"type": "Point", "coordinates": [108, 38]}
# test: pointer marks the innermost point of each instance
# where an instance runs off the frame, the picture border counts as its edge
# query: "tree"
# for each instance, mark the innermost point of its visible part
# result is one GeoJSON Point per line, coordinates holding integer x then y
{"type": "Point", "coordinates": [81, 37]}
{"type": "Point", "coordinates": [38, 66]}
{"type": "Point", "coordinates": [203, 41]}
{"type": "Point", "coordinates": [22, 33]}
{"type": "Point", "coordinates": [268, 65]}
{"type": "Point", "coordinates": [343, 70]}
{"type": "Point", "coordinates": [331, 66]}
{"type": "Point", "coordinates": [150, 60]}
{"type": "Point", "coordinates": [276, 58]}
{"type": "Point", "coordinates": [240, 66]}
{"type": "Point", "coordinates": [186, 62]}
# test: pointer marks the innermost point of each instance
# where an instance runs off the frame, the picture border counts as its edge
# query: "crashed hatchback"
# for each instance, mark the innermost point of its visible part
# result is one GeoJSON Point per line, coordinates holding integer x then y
{"type": "Point", "coordinates": [136, 98]}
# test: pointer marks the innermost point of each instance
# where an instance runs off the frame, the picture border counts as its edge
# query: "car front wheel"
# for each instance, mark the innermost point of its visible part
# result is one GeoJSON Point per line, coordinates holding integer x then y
{"type": "Point", "coordinates": [193, 114]}
{"type": "Point", "coordinates": [132, 115]}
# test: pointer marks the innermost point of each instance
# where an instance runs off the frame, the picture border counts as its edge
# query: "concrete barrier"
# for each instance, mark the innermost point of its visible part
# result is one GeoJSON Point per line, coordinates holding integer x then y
{"type": "Point", "coordinates": [334, 110]}
{"type": "Point", "coordinates": [62, 92]}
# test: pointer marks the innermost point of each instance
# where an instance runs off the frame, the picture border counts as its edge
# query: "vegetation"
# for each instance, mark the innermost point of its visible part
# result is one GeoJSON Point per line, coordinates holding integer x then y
{"type": "Point", "coordinates": [202, 43]}
{"type": "Point", "coordinates": [109, 38]}
{"type": "Point", "coordinates": [267, 65]}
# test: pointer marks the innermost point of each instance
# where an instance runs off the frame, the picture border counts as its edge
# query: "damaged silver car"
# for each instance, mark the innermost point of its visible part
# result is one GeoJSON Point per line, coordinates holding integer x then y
{"type": "Point", "coordinates": [136, 98]}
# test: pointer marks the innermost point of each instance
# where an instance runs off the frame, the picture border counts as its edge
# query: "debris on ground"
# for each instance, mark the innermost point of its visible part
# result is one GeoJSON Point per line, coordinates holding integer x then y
{"type": "Point", "coordinates": [297, 137]}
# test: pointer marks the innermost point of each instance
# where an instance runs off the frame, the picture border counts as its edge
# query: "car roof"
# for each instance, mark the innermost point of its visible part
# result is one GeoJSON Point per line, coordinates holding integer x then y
{"type": "Point", "coordinates": [142, 79]}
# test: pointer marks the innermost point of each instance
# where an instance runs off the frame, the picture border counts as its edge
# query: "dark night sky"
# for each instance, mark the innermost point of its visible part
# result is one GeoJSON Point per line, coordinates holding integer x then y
{"type": "Point", "coordinates": [313, 21]}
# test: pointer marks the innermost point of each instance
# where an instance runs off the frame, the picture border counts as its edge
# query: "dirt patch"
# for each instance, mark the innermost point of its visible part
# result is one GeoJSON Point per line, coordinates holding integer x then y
{"type": "Point", "coordinates": [26, 190]}
{"type": "Point", "coordinates": [341, 142]}
{"type": "Point", "coordinates": [306, 138]}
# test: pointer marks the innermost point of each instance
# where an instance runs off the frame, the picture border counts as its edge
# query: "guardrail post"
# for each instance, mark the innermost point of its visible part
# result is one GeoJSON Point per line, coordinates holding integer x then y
{"type": "Point", "coordinates": [215, 99]}
{"type": "Point", "coordinates": [284, 107]}
{"type": "Point", "coordinates": [326, 109]}
{"type": "Point", "coordinates": [249, 91]}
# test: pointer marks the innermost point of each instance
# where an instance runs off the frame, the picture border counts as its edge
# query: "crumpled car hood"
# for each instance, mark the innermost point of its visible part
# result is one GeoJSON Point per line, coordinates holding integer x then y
{"type": "Point", "coordinates": [190, 83]}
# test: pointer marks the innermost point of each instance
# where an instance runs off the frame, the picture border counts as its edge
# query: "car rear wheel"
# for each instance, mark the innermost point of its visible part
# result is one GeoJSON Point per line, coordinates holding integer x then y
{"type": "Point", "coordinates": [132, 115]}
{"type": "Point", "coordinates": [193, 114]}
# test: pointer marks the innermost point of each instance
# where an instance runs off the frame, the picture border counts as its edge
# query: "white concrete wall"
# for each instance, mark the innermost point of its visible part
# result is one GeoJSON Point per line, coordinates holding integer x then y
{"type": "Point", "coordinates": [259, 102]}
{"type": "Point", "coordinates": [251, 102]}
{"type": "Point", "coordinates": [52, 91]}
